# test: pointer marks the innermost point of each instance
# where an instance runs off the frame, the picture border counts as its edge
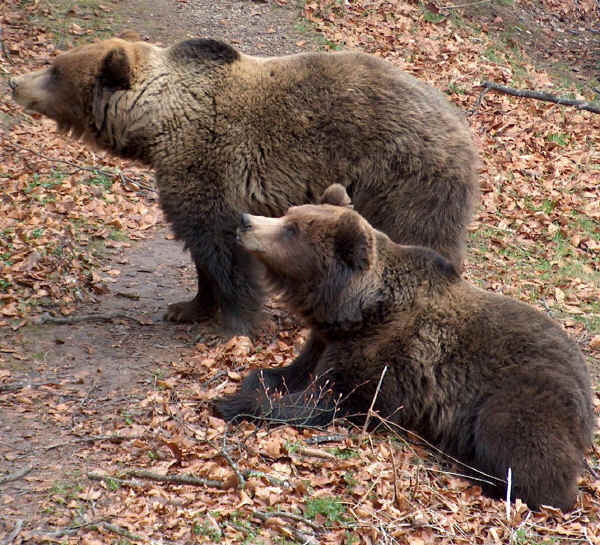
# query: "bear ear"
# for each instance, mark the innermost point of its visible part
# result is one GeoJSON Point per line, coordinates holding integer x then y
{"type": "Point", "coordinates": [116, 72]}
{"type": "Point", "coordinates": [336, 195]}
{"type": "Point", "coordinates": [352, 242]}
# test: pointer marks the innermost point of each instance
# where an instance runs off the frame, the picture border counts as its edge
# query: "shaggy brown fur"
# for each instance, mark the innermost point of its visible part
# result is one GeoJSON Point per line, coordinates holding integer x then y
{"type": "Point", "coordinates": [489, 380]}
{"type": "Point", "coordinates": [227, 132]}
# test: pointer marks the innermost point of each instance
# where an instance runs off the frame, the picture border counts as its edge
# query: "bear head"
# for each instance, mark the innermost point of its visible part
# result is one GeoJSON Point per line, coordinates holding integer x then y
{"type": "Point", "coordinates": [65, 91]}
{"type": "Point", "coordinates": [119, 93]}
{"type": "Point", "coordinates": [321, 258]}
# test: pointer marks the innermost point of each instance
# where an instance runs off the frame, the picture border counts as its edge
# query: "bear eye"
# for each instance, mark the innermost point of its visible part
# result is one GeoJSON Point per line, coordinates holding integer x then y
{"type": "Point", "coordinates": [290, 230]}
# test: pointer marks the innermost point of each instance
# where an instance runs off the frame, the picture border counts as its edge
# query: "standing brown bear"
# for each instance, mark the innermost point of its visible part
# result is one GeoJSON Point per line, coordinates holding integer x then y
{"type": "Point", "coordinates": [227, 132]}
{"type": "Point", "coordinates": [489, 380]}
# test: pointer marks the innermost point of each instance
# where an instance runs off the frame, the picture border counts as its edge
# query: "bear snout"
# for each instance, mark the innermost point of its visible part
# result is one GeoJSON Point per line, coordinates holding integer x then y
{"type": "Point", "coordinates": [245, 223]}
{"type": "Point", "coordinates": [12, 84]}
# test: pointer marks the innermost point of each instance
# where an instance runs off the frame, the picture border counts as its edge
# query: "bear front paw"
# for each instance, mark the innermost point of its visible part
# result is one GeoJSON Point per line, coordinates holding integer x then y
{"type": "Point", "coordinates": [190, 311]}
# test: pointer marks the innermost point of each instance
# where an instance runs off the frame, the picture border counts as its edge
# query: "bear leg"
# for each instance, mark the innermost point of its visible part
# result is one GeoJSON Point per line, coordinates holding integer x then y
{"type": "Point", "coordinates": [254, 393]}
{"type": "Point", "coordinates": [535, 440]}
{"type": "Point", "coordinates": [200, 308]}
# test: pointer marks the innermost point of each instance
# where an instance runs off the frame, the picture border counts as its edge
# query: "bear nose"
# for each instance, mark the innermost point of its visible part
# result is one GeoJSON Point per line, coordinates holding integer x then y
{"type": "Point", "coordinates": [245, 222]}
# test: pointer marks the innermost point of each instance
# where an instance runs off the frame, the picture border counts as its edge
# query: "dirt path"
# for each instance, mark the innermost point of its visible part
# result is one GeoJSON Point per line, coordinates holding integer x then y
{"type": "Point", "coordinates": [69, 378]}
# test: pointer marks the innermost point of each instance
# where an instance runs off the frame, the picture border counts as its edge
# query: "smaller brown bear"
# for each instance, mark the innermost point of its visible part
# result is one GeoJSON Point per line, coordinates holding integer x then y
{"type": "Point", "coordinates": [489, 380]}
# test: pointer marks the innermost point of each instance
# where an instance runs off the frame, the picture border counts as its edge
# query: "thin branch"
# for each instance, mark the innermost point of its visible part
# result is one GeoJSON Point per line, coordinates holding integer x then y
{"type": "Point", "coordinates": [508, 492]}
{"type": "Point", "coordinates": [16, 531]}
{"type": "Point", "coordinates": [14, 386]}
{"type": "Point", "coordinates": [175, 479]}
{"type": "Point", "coordinates": [333, 438]}
{"type": "Point", "coordinates": [238, 474]}
{"type": "Point", "coordinates": [370, 412]}
{"type": "Point", "coordinates": [291, 516]}
{"type": "Point", "coordinates": [475, 107]}
{"type": "Point", "coordinates": [136, 183]}
{"type": "Point", "coordinates": [122, 532]}
{"type": "Point", "coordinates": [289, 530]}
{"type": "Point", "coordinates": [70, 320]}
{"type": "Point", "coordinates": [395, 475]}
{"type": "Point", "coordinates": [93, 439]}
{"type": "Point", "coordinates": [315, 453]}
{"type": "Point", "coordinates": [70, 530]}
{"type": "Point", "coordinates": [538, 95]}
{"type": "Point", "coordinates": [131, 483]}
{"type": "Point", "coordinates": [15, 476]}
{"type": "Point", "coordinates": [271, 479]}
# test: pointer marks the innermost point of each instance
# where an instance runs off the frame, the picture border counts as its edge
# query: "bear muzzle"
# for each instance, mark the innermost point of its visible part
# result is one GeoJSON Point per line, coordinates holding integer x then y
{"type": "Point", "coordinates": [255, 233]}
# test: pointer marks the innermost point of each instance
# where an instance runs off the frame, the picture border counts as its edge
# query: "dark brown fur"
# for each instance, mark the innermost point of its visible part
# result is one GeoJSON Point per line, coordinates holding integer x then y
{"type": "Point", "coordinates": [227, 132]}
{"type": "Point", "coordinates": [487, 379]}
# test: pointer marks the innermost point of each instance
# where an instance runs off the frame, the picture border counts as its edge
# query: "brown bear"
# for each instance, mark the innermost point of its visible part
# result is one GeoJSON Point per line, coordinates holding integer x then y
{"type": "Point", "coordinates": [227, 133]}
{"type": "Point", "coordinates": [491, 381]}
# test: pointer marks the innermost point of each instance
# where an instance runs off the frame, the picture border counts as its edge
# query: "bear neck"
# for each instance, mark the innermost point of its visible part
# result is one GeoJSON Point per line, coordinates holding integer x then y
{"type": "Point", "coordinates": [166, 121]}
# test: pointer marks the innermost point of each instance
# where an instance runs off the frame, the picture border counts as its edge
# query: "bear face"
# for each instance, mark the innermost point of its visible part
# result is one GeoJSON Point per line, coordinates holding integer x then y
{"type": "Point", "coordinates": [489, 381]}
{"type": "Point", "coordinates": [316, 255]}
{"type": "Point", "coordinates": [229, 133]}
{"type": "Point", "coordinates": [65, 90]}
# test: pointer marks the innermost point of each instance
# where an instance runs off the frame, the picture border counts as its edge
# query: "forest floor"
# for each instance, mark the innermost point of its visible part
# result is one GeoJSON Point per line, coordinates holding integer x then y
{"type": "Point", "coordinates": [93, 381]}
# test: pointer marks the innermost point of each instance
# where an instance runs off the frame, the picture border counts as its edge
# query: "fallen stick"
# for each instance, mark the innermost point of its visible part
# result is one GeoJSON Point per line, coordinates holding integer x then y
{"type": "Point", "coordinates": [271, 479]}
{"type": "Point", "coordinates": [289, 531]}
{"type": "Point", "coordinates": [538, 95]}
{"type": "Point", "coordinates": [131, 483]}
{"type": "Point", "coordinates": [333, 438]}
{"type": "Point", "coordinates": [291, 516]}
{"type": "Point", "coordinates": [70, 320]}
{"type": "Point", "coordinates": [175, 479]}
{"type": "Point", "coordinates": [122, 532]}
{"type": "Point", "coordinates": [15, 476]}
{"type": "Point", "coordinates": [93, 439]}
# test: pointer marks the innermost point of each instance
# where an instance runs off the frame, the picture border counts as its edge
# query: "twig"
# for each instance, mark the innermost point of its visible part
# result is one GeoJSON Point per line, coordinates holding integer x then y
{"type": "Point", "coordinates": [4, 51]}
{"type": "Point", "coordinates": [95, 170]}
{"type": "Point", "coordinates": [122, 532]}
{"type": "Point", "coordinates": [289, 530]}
{"type": "Point", "coordinates": [475, 107]}
{"type": "Point", "coordinates": [175, 479]}
{"type": "Point", "coordinates": [370, 412]}
{"type": "Point", "coordinates": [291, 516]}
{"type": "Point", "coordinates": [14, 386]}
{"type": "Point", "coordinates": [508, 491]}
{"type": "Point", "coordinates": [131, 483]}
{"type": "Point", "coordinates": [316, 453]}
{"type": "Point", "coordinates": [538, 95]}
{"type": "Point", "coordinates": [333, 438]}
{"type": "Point", "coordinates": [455, 6]}
{"type": "Point", "coordinates": [70, 320]}
{"type": "Point", "coordinates": [275, 481]}
{"type": "Point", "coordinates": [11, 537]}
{"type": "Point", "coordinates": [70, 530]}
{"type": "Point", "coordinates": [15, 476]}
{"type": "Point", "coordinates": [396, 489]}
{"type": "Point", "coordinates": [92, 439]}
{"type": "Point", "coordinates": [238, 474]}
